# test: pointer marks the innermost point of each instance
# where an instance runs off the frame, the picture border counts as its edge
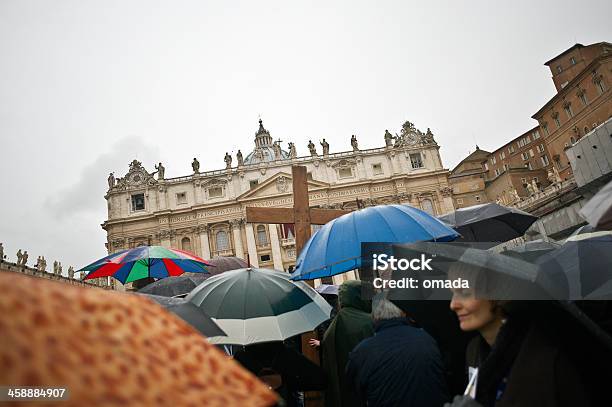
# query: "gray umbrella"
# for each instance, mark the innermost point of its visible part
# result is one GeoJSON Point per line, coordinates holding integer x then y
{"type": "Point", "coordinates": [222, 264]}
{"type": "Point", "coordinates": [188, 312]}
{"type": "Point", "coordinates": [259, 305]}
{"type": "Point", "coordinates": [488, 223]}
{"type": "Point", "coordinates": [598, 211]}
{"type": "Point", "coordinates": [494, 276]}
{"type": "Point", "coordinates": [175, 286]}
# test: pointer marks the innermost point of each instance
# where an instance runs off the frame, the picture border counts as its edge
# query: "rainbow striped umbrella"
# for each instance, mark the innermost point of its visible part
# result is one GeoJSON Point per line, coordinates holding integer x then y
{"type": "Point", "coordinates": [146, 261]}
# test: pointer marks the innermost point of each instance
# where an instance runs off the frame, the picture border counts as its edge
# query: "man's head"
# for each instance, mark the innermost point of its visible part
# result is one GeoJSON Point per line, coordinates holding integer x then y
{"type": "Point", "coordinates": [383, 309]}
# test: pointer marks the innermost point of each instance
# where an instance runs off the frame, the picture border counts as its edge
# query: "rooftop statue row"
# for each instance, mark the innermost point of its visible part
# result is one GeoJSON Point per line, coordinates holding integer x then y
{"type": "Point", "coordinates": [268, 151]}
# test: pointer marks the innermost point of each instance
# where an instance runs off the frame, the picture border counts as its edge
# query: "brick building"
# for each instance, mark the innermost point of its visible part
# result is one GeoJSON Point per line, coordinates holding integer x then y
{"type": "Point", "coordinates": [467, 180]}
{"type": "Point", "coordinates": [581, 75]}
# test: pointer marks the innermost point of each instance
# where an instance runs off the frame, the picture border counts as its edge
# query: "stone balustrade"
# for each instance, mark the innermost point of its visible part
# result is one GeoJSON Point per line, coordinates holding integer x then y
{"type": "Point", "coordinates": [6, 266]}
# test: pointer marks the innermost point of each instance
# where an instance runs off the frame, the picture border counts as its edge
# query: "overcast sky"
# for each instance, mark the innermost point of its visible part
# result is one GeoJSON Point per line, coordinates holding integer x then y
{"type": "Point", "coordinates": [87, 86]}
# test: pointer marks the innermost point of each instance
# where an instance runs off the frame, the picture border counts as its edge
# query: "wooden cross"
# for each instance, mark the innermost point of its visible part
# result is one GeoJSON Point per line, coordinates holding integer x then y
{"type": "Point", "coordinates": [302, 216]}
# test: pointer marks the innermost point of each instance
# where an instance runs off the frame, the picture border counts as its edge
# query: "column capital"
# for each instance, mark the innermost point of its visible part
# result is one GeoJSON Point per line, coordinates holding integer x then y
{"type": "Point", "coordinates": [235, 223]}
{"type": "Point", "coordinates": [202, 228]}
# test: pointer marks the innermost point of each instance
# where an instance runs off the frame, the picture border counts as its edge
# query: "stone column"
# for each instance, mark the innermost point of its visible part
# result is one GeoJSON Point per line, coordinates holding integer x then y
{"type": "Point", "coordinates": [204, 244]}
{"type": "Point", "coordinates": [277, 255]}
{"type": "Point", "coordinates": [251, 246]}
{"type": "Point", "coordinates": [239, 248]}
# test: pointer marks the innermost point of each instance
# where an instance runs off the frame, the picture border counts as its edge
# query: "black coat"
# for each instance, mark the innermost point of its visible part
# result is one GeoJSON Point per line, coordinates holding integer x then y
{"type": "Point", "coordinates": [527, 366]}
{"type": "Point", "coordinates": [399, 366]}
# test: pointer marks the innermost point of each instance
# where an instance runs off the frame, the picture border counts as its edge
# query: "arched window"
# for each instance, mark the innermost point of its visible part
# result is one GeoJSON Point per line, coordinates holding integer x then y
{"type": "Point", "coordinates": [427, 206]}
{"type": "Point", "coordinates": [186, 244]}
{"type": "Point", "coordinates": [262, 238]}
{"type": "Point", "coordinates": [222, 240]}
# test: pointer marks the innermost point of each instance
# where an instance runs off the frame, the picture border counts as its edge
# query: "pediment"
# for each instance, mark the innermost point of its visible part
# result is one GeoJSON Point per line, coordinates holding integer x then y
{"type": "Point", "coordinates": [278, 184]}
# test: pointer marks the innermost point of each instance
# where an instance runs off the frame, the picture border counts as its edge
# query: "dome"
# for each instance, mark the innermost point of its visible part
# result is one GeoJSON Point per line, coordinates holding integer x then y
{"type": "Point", "coordinates": [264, 148]}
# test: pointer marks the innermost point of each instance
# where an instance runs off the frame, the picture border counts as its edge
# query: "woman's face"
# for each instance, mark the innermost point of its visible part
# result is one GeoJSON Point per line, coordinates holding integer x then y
{"type": "Point", "coordinates": [474, 314]}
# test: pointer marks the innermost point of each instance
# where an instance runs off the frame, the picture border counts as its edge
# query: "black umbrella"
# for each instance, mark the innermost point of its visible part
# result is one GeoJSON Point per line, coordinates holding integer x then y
{"type": "Point", "coordinates": [598, 211]}
{"type": "Point", "coordinates": [175, 286]}
{"type": "Point", "coordinates": [493, 276]}
{"type": "Point", "coordinates": [531, 251]}
{"type": "Point", "coordinates": [488, 223]}
{"type": "Point", "coordinates": [188, 312]}
{"type": "Point", "coordinates": [222, 264]}
{"type": "Point", "coordinates": [586, 259]}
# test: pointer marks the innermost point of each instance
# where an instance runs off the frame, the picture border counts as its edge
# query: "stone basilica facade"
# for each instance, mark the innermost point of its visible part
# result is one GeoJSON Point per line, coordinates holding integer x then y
{"type": "Point", "coordinates": [204, 212]}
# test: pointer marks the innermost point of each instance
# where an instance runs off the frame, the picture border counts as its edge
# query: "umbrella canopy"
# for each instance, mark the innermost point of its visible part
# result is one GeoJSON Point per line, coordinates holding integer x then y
{"type": "Point", "coordinates": [598, 211]}
{"type": "Point", "coordinates": [222, 264]}
{"type": "Point", "coordinates": [585, 258]}
{"type": "Point", "coordinates": [327, 289]}
{"type": "Point", "coordinates": [258, 305]}
{"type": "Point", "coordinates": [489, 222]}
{"type": "Point", "coordinates": [531, 251]}
{"type": "Point", "coordinates": [174, 286]}
{"type": "Point", "coordinates": [505, 277]}
{"type": "Point", "coordinates": [114, 348]}
{"type": "Point", "coordinates": [145, 261]}
{"type": "Point", "coordinates": [336, 247]}
{"type": "Point", "coordinates": [188, 313]}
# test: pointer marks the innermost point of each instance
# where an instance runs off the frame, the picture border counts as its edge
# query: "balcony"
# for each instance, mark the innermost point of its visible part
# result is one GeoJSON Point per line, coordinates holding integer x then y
{"type": "Point", "coordinates": [223, 253]}
{"type": "Point", "coordinates": [288, 242]}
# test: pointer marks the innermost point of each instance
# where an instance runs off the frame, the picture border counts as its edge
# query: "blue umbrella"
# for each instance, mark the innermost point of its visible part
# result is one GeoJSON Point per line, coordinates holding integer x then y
{"type": "Point", "coordinates": [336, 247]}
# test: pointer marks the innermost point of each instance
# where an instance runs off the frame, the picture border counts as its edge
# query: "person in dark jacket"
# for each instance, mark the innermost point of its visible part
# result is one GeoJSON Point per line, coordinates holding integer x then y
{"type": "Point", "coordinates": [284, 369]}
{"type": "Point", "coordinates": [400, 365]}
{"type": "Point", "coordinates": [518, 359]}
{"type": "Point", "coordinates": [352, 324]}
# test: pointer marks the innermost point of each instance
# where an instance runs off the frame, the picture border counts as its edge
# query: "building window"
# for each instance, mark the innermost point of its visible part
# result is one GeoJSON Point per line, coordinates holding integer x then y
{"type": "Point", "coordinates": [222, 240]}
{"type": "Point", "coordinates": [346, 172]}
{"type": "Point", "coordinates": [510, 149]}
{"type": "Point", "coordinates": [545, 161]}
{"type": "Point", "coordinates": [536, 135]}
{"type": "Point", "coordinates": [262, 237]}
{"type": "Point", "coordinates": [415, 160]}
{"type": "Point", "coordinates": [568, 110]}
{"type": "Point", "coordinates": [545, 128]}
{"type": "Point", "coordinates": [502, 156]}
{"type": "Point", "coordinates": [253, 183]}
{"type": "Point", "coordinates": [486, 167]}
{"type": "Point", "coordinates": [493, 160]}
{"type": "Point", "coordinates": [524, 155]}
{"type": "Point", "coordinates": [529, 165]}
{"type": "Point", "coordinates": [427, 206]}
{"type": "Point", "coordinates": [181, 198]}
{"type": "Point", "coordinates": [524, 180]}
{"type": "Point", "coordinates": [600, 86]}
{"type": "Point", "coordinates": [497, 172]}
{"type": "Point", "coordinates": [559, 69]}
{"type": "Point", "coordinates": [505, 167]}
{"type": "Point", "coordinates": [477, 197]}
{"type": "Point", "coordinates": [527, 139]}
{"type": "Point", "coordinates": [459, 201]}
{"type": "Point", "coordinates": [377, 169]}
{"type": "Point", "coordinates": [264, 257]}
{"type": "Point", "coordinates": [138, 202]}
{"type": "Point", "coordinates": [540, 148]}
{"type": "Point", "coordinates": [556, 119]}
{"type": "Point", "coordinates": [186, 244]}
{"type": "Point", "coordinates": [572, 140]}
{"type": "Point", "coordinates": [573, 61]}
{"type": "Point", "coordinates": [215, 192]}
{"type": "Point", "coordinates": [583, 98]}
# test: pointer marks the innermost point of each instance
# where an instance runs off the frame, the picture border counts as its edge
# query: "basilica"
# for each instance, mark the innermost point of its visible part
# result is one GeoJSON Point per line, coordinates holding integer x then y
{"type": "Point", "coordinates": [204, 212]}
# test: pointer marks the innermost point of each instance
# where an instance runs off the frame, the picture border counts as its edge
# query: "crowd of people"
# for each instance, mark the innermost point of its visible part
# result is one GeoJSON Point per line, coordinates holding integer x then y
{"type": "Point", "coordinates": [377, 353]}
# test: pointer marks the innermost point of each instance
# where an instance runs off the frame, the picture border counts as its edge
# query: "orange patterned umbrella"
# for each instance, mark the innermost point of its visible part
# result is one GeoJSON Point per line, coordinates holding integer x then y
{"type": "Point", "coordinates": [109, 348]}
